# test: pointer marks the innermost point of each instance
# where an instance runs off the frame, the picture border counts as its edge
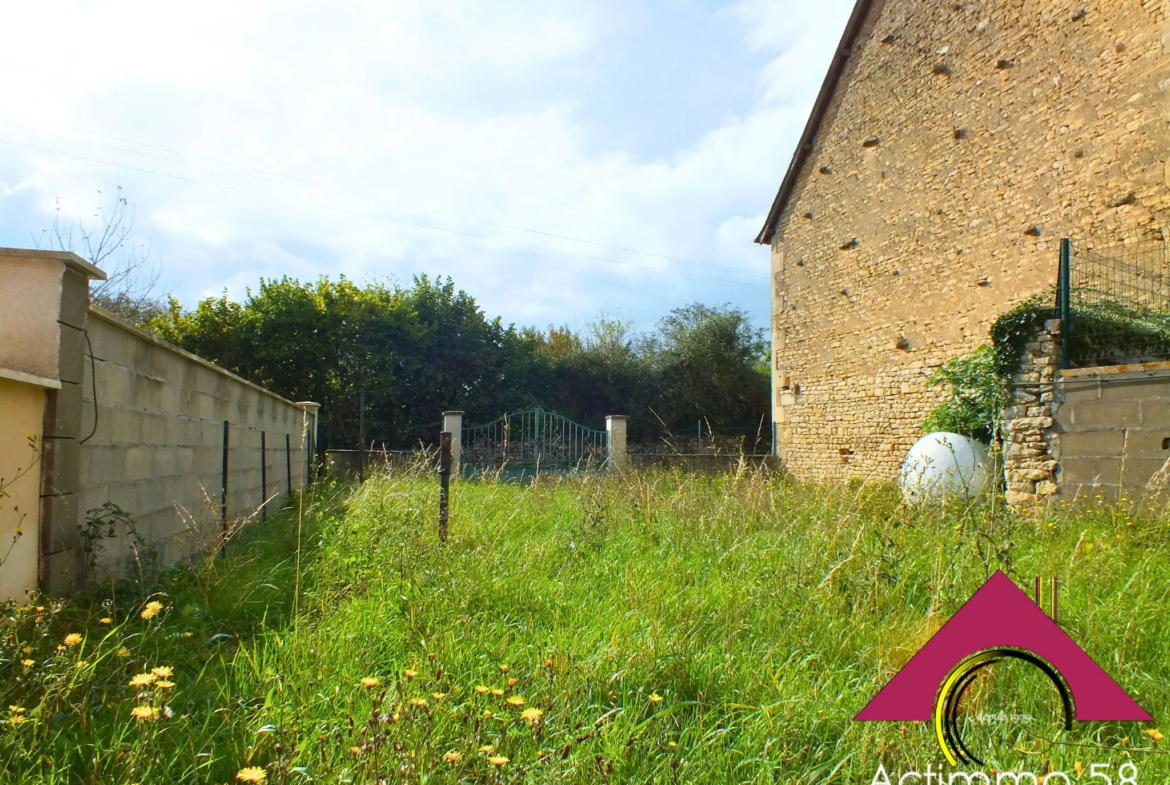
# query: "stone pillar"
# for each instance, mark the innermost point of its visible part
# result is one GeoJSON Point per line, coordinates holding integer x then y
{"type": "Point", "coordinates": [42, 336]}
{"type": "Point", "coordinates": [453, 424]}
{"type": "Point", "coordinates": [1032, 446]}
{"type": "Point", "coordinates": [617, 458]}
{"type": "Point", "coordinates": [311, 409]}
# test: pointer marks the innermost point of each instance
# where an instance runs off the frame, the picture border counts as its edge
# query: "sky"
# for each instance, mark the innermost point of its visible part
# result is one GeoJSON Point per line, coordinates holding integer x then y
{"type": "Point", "coordinates": [558, 159]}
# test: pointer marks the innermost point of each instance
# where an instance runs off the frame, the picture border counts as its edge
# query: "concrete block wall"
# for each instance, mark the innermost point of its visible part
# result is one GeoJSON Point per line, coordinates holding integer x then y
{"type": "Point", "coordinates": [156, 446]}
{"type": "Point", "coordinates": [963, 140]}
{"type": "Point", "coordinates": [1115, 431]}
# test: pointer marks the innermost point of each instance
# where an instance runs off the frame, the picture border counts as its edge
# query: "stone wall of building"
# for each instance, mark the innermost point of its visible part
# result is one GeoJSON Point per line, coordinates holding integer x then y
{"type": "Point", "coordinates": [1032, 440]}
{"type": "Point", "coordinates": [963, 141]}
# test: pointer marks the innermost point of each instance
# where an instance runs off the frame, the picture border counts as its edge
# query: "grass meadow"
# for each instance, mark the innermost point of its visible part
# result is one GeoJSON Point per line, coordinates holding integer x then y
{"type": "Point", "coordinates": [653, 627]}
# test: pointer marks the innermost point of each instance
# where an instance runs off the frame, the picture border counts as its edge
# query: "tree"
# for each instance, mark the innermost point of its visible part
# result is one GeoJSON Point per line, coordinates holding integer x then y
{"type": "Point", "coordinates": [109, 243]}
{"type": "Point", "coordinates": [711, 365]}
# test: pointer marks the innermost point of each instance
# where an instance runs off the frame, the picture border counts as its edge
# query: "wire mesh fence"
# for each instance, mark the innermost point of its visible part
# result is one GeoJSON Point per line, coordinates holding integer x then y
{"type": "Point", "coordinates": [1115, 302]}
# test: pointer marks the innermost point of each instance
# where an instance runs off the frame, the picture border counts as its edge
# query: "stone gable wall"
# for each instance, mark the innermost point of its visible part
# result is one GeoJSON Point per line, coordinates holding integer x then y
{"type": "Point", "coordinates": [963, 141]}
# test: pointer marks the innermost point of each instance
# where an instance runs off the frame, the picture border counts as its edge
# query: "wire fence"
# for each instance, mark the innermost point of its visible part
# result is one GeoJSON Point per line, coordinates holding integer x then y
{"type": "Point", "coordinates": [1115, 303]}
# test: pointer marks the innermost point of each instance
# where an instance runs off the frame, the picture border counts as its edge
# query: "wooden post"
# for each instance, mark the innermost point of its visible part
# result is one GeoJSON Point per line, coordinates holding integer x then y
{"type": "Point", "coordinates": [264, 475]}
{"type": "Point", "coordinates": [223, 498]}
{"type": "Point", "coordinates": [288, 461]}
{"type": "Point", "coordinates": [444, 481]}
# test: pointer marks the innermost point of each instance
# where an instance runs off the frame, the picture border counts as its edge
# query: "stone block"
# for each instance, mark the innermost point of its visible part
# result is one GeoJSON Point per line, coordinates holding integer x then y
{"type": "Point", "coordinates": [60, 466]}
{"type": "Point", "coordinates": [1073, 392]}
{"type": "Point", "coordinates": [1090, 471]}
{"type": "Point", "coordinates": [1076, 444]}
{"type": "Point", "coordinates": [1020, 499]}
{"type": "Point", "coordinates": [1138, 471]}
{"type": "Point", "coordinates": [73, 356]}
{"type": "Point", "coordinates": [74, 299]}
{"type": "Point", "coordinates": [1156, 413]}
{"type": "Point", "coordinates": [61, 573]}
{"type": "Point", "coordinates": [63, 411]}
{"type": "Point", "coordinates": [60, 518]}
{"type": "Point", "coordinates": [1106, 414]}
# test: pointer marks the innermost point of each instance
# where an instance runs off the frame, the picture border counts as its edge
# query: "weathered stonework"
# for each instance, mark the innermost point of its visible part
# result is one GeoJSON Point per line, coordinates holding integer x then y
{"type": "Point", "coordinates": [932, 200]}
{"type": "Point", "coordinates": [1031, 440]}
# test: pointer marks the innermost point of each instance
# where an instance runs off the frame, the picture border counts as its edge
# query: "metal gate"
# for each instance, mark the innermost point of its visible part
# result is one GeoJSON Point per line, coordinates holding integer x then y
{"type": "Point", "coordinates": [524, 443]}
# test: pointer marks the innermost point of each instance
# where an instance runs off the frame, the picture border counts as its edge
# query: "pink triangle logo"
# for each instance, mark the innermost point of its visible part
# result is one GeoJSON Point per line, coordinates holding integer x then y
{"type": "Point", "coordinates": [1000, 615]}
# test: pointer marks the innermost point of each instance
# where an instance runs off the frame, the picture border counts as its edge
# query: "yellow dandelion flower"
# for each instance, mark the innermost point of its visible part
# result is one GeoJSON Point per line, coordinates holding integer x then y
{"type": "Point", "coordinates": [420, 702]}
{"type": "Point", "coordinates": [487, 712]}
{"type": "Point", "coordinates": [532, 715]}
{"type": "Point", "coordinates": [438, 696]}
{"type": "Point", "coordinates": [123, 652]}
{"type": "Point", "coordinates": [498, 760]}
{"type": "Point", "coordinates": [188, 634]}
{"type": "Point", "coordinates": [503, 669]}
{"type": "Point", "coordinates": [81, 664]}
{"type": "Point", "coordinates": [144, 712]}
{"type": "Point", "coordinates": [251, 774]}
{"type": "Point", "coordinates": [369, 681]}
{"type": "Point", "coordinates": [163, 671]}
{"type": "Point", "coordinates": [410, 674]}
{"type": "Point", "coordinates": [1154, 734]}
{"type": "Point", "coordinates": [72, 639]}
{"type": "Point", "coordinates": [40, 608]}
{"type": "Point", "coordinates": [515, 700]}
{"type": "Point", "coordinates": [453, 757]}
{"type": "Point", "coordinates": [165, 685]}
{"type": "Point", "coordinates": [60, 648]}
{"type": "Point", "coordinates": [28, 663]}
{"type": "Point", "coordinates": [16, 709]}
{"type": "Point", "coordinates": [143, 679]}
{"type": "Point", "coordinates": [105, 620]}
{"type": "Point", "coordinates": [486, 748]}
{"type": "Point", "coordinates": [548, 662]}
{"type": "Point", "coordinates": [152, 609]}
{"type": "Point", "coordinates": [498, 693]}
{"type": "Point", "coordinates": [355, 750]}
{"type": "Point", "coordinates": [16, 719]}
{"type": "Point", "coordinates": [655, 698]}
{"type": "Point", "coordinates": [26, 650]}
{"type": "Point", "coordinates": [480, 689]}
{"type": "Point", "coordinates": [512, 682]}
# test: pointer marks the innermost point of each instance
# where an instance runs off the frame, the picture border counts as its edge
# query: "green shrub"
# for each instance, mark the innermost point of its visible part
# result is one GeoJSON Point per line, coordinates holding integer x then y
{"type": "Point", "coordinates": [978, 394]}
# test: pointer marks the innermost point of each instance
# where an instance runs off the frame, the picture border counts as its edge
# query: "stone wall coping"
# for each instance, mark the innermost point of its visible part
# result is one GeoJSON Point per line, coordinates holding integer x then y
{"type": "Point", "coordinates": [122, 324]}
{"type": "Point", "coordinates": [28, 378]}
{"type": "Point", "coordinates": [70, 260]}
{"type": "Point", "coordinates": [1132, 370]}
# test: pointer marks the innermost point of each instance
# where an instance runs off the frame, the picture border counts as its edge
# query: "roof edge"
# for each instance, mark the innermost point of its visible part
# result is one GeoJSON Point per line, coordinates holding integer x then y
{"type": "Point", "coordinates": [820, 107]}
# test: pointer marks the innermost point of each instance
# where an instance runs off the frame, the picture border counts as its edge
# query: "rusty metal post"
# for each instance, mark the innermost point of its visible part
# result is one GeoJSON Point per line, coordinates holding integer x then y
{"type": "Point", "coordinates": [444, 481]}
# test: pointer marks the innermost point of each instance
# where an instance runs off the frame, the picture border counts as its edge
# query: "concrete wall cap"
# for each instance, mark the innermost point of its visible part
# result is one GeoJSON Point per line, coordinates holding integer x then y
{"type": "Point", "coordinates": [68, 258]}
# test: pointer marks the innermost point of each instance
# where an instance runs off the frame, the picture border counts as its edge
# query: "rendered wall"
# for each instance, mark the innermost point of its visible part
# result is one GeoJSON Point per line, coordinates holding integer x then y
{"type": "Point", "coordinates": [963, 141]}
{"type": "Point", "coordinates": [157, 448]}
{"type": "Point", "coordinates": [23, 410]}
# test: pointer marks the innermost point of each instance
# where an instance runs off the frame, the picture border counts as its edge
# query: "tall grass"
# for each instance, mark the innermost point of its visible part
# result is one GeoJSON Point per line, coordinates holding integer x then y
{"type": "Point", "coordinates": [664, 627]}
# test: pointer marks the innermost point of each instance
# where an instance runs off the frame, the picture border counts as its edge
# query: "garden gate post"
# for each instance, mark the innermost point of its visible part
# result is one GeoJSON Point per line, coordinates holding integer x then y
{"type": "Point", "coordinates": [615, 428]}
{"type": "Point", "coordinates": [453, 424]}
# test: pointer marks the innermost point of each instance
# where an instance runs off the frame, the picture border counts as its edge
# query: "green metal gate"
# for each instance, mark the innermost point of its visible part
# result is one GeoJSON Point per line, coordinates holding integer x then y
{"type": "Point", "coordinates": [524, 443]}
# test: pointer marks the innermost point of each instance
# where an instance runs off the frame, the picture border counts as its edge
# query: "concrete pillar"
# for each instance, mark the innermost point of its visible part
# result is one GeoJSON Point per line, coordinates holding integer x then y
{"type": "Point", "coordinates": [311, 409]}
{"type": "Point", "coordinates": [453, 424]}
{"type": "Point", "coordinates": [45, 296]}
{"type": "Point", "coordinates": [617, 458]}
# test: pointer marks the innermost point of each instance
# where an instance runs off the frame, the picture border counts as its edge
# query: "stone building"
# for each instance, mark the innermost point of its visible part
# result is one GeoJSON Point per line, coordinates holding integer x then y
{"type": "Point", "coordinates": [951, 147]}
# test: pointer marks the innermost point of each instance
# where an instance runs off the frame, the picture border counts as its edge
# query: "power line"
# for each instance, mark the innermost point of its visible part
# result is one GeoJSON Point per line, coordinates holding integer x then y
{"type": "Point", "coordinates": [264, 175]}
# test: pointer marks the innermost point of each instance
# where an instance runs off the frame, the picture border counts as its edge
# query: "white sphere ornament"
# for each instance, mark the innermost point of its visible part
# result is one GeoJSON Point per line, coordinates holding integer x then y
{"type": "Point", "coordinates": [944, 464]}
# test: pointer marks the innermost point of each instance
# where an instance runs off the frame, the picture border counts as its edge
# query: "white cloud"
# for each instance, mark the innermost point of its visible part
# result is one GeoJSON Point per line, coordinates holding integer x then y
{"type": "Point", "coordinates": [342, 124]}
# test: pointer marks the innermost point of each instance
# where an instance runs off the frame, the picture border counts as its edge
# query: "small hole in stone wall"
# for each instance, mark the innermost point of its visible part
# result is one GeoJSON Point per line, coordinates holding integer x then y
{"type": "Point", "coordinates": [1166, 443]}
